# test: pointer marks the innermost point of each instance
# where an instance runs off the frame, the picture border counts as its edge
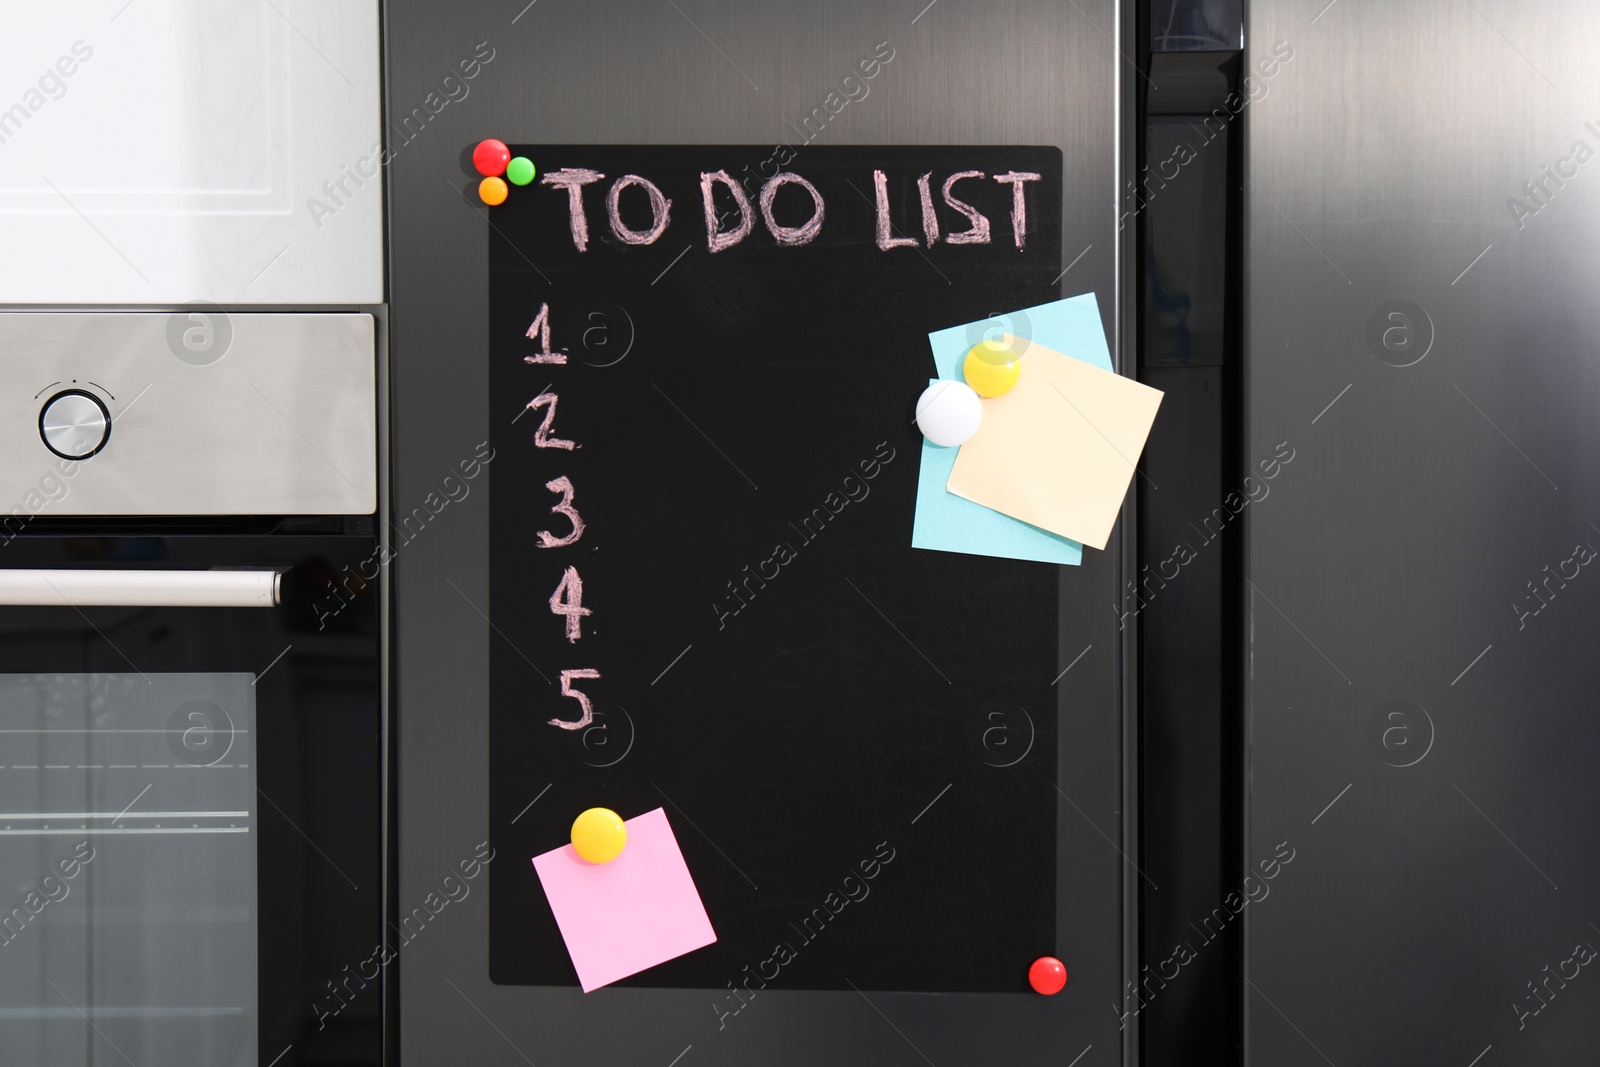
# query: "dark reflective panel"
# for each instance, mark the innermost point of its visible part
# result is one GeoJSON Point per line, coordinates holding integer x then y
{"type": "Point", "coordinates": [190, 813]}
{"type": "Point", "coordinates": [1196, 25]}
{"type": "Point", "coordinates": [132, 799]}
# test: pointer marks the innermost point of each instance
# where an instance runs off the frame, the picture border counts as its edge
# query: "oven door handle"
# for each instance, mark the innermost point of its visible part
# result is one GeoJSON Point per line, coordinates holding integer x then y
{"type": "Point", "coordinates": [79, 588]}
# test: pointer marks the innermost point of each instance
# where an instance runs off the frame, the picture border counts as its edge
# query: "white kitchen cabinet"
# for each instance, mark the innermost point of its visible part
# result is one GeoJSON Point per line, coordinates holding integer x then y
{"type": "Point", "coordinates": [164, 151]}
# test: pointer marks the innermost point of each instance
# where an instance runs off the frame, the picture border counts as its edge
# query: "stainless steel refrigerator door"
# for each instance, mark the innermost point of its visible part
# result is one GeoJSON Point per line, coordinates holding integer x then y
{"type": "Point", "coordinates": [1421, 251]}
{"type": "Point", "coordinates": [708, 72]}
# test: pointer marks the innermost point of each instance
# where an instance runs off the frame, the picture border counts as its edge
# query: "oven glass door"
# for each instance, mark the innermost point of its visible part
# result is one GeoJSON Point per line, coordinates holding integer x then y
{"type": "Point", "coordinates": [191, 835]}
{"type": "Point", "coordinates": [127, 837]}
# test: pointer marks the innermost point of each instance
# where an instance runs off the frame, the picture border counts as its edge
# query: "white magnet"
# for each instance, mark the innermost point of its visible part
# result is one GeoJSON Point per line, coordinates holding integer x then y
{"type": "Point", "coordinates": [949, 413]}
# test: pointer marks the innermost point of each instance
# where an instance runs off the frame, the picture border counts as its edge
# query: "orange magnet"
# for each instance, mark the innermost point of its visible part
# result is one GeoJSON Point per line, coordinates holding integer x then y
{"type": "Point", "coordinates": [492, 191]}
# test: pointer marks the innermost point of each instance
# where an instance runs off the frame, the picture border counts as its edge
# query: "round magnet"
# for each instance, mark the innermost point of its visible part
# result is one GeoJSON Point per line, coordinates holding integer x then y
{"type": "Point", "coordinates": [949, 413]}
{"type": "Point", "coordinates": [520, 170]}
{"type": "Point", "coordinates": [490, 157]}
{"type": "Point", "coordinates": [1048, 975]}
{"type": "Point", "coordinates": [986, 377]}
{"type": "Point", "coordinates": [492, 191]}
{"type": "Point", "coordinates": [598, 835]}
{"type": "Point", "coordinates": [999, 350]}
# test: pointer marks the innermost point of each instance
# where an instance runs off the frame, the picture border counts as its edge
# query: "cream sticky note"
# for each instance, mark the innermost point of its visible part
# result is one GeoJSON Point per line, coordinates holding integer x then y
{"type": "Point", "coordinates": [636, 911]}
{"type": "Point", "coordinates": [1059, 449]}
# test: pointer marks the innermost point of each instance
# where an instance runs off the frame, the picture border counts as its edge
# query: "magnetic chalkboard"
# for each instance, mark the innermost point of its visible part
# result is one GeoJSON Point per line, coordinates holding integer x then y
{"type": "Point", "coordinates": [702, 488]}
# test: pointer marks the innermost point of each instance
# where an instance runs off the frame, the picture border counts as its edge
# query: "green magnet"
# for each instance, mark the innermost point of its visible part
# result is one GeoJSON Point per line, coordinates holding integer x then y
{"type": "Point", "coordinates": [520, 170]}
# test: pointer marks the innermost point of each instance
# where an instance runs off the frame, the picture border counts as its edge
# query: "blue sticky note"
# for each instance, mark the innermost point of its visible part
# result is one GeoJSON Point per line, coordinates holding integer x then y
{"type": "Point", "coordinates": [948, 523]}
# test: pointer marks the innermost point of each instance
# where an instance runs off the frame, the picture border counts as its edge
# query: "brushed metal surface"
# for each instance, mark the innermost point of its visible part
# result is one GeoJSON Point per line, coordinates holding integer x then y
{"type": "Point", "coordinates": [86, 587]}
{"type": "Point", "coordinates": [215, 414]}
{"type": "Point", "coordinates": [1421, 668]}
{"type": "Point", "coordinates": [714, 71]}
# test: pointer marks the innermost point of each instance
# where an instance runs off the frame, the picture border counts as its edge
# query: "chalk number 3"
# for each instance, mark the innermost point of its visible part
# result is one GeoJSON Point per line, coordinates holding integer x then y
{"type": "Point", "coordinates": [562, 485]}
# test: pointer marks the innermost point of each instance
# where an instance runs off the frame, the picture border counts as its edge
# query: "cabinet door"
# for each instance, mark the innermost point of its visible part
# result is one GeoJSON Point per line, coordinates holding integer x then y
{"type": "Point", "coordinates": [164, 151]}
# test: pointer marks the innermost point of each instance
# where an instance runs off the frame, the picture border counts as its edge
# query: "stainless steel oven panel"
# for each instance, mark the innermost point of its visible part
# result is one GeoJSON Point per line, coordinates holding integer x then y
{"type": "Point", "coordinates": [186, 413]}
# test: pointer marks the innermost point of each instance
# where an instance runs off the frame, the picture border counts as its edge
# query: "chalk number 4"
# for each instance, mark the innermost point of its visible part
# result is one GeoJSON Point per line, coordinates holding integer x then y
{"type": "Point", "coordinates": [568, 600]}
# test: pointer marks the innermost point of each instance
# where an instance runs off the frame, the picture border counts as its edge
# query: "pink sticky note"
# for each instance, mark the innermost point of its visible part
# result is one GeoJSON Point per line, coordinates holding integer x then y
{"type": "Point", "coordinates": [622, 917]}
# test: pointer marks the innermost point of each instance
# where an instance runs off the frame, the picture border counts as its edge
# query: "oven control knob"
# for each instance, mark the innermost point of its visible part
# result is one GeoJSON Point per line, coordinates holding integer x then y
{"type": "Point", "coordinates": [74, 424]}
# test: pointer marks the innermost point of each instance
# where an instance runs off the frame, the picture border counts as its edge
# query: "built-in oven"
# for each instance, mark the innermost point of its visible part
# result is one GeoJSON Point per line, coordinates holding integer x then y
{"type": "Point", "coordinates": [192, 713]}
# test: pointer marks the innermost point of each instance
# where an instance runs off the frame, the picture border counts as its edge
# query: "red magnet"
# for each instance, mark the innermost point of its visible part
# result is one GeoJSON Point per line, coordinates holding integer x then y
{"type": "Point", "coordinates": [1048, 975]}
{"type": "Point", "coordinates": [491, 157]}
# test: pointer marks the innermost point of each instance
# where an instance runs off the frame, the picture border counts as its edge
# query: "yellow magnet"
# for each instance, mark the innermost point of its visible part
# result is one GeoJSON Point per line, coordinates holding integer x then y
{"type": "Point", "coordinates": [991, 368]}
{"type": "Point", "coordinates": [598, 835]}
{"type": "Point", "coordinates": [1000, 350]}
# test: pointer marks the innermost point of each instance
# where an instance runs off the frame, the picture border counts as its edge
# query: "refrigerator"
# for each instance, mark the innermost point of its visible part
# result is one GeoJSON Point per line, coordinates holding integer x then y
{"type": "Point", "coordinates": [647, 406]}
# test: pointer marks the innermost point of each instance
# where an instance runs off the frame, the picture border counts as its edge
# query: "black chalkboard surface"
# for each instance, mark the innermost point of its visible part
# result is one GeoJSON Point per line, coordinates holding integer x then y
{"type": "Point", "coordinates": [854, 740]}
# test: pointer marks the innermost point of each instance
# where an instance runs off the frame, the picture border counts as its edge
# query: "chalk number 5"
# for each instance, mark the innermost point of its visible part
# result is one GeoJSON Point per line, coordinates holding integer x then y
{"type": "Point", "coordinates": [567, 678]}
